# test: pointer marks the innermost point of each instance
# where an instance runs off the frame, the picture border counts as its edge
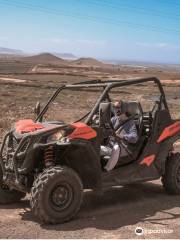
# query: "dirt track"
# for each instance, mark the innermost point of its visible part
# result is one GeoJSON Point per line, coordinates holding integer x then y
{"type": "Point", "coordinates": [116, 215]}
{"type": "Point", "coordinates": [15, 80]}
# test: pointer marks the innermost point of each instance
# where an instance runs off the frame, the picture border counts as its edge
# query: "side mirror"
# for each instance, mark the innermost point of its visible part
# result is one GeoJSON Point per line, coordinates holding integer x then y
{"type": "Point", "coordinates": [37, 108]}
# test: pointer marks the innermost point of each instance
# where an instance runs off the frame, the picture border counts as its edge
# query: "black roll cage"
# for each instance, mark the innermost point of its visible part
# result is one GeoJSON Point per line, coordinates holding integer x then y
{"type": "Point", "coordinates": [107, 86]}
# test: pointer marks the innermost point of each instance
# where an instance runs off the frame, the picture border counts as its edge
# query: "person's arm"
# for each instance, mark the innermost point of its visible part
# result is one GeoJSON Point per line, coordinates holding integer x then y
{"type": "Point", "coordinates": [132, 135]}
{"type": "Point", "coordinates": [113, 121]}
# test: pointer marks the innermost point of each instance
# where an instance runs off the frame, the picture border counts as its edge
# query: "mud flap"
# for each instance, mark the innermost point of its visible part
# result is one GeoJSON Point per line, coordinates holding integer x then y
{"type": "Point", "coordinates": [83, 158]}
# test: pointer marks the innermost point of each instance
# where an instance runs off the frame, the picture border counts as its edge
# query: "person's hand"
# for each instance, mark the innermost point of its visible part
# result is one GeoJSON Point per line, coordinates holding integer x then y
{"type": "Point", "coordinates": [120, 134]}
{"type": "Point", "coordinates": [94, 117]}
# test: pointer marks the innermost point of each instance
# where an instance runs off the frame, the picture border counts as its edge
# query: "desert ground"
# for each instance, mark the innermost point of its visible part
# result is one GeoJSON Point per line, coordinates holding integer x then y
{"type": "Point", "coordinates": [119, 211]}
{"type": "Point", "coordinates": [114, 215]}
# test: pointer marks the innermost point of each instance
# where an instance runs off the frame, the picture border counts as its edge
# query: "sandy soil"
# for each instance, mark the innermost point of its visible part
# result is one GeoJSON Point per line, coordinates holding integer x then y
{"type": "Point", "coordinates": [120, 210]}
{"type": "Point", "coordinates": [115, 215]}
{"type": "Point", "coordinates": [171, 81]}
{"type": "Point", "coordinates": [15, 80]}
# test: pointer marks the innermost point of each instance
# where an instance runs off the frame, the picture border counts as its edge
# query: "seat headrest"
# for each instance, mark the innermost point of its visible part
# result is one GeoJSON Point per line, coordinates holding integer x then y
{"type": "Point", "coordinates": [134, 108]}
{"type": "Point", "coordinates": [105, 113]}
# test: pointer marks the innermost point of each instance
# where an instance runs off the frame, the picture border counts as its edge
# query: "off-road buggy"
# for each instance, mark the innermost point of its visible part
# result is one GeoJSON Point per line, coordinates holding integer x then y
{"type": "Point", "coordinates": [56, 161]}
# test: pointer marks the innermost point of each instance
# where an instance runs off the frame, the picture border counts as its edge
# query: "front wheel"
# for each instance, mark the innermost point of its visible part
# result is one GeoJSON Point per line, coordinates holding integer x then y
{"type": "Point", "coordinates": [171, 178]}
{"type": "Point", "coordinates": [56, 195]}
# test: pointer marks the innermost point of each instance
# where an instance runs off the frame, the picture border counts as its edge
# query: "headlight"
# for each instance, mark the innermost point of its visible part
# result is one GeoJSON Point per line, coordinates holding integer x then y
{"type": "Point", "coordinates": [56, 136]}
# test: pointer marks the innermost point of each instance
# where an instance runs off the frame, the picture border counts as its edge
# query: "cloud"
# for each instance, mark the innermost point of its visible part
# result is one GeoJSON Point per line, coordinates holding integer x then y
{"type": "Point", "coordinates": [59, 40]}
{"type": "Point", "coordinates": [77, 41]}
{"type": "Point", "coordinates": [161, 45]}
{"type": "Point", "coordinates": [152, 45]}
{"type": "Point", "coordinates": [91, 42]}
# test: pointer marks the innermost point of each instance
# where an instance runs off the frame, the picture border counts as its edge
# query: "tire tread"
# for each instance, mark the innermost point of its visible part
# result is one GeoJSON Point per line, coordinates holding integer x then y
{"type": "Point", "coordinates": [37, 190]}
{"type": "Point", "coordinates": [169, 178]}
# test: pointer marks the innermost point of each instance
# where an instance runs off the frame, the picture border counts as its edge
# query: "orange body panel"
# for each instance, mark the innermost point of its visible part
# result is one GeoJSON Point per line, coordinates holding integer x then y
{"type": "Point", "coordinates": [27, 125]}
{"type": "Point", "coordinates": [148, 160]}
{"type": "Point", "coordinates": [169, 131]}
{"type": "Point", "coordinates": [82, 131]}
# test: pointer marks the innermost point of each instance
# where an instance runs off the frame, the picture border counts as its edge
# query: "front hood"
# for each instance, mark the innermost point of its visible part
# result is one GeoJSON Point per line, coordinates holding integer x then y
{"type": "Point", "coordinates": [28, 126]}
{"type": "Point", "coordinates": [73, 131]}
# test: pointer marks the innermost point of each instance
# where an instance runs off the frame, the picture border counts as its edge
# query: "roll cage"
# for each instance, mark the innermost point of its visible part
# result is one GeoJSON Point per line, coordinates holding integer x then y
{"type": "Point", "coordinates": [107, 86]}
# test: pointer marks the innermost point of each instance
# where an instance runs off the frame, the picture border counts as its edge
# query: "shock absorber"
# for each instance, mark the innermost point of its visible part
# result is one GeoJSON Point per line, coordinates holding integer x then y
{"type": "Point", "coordinates": [49, 156]}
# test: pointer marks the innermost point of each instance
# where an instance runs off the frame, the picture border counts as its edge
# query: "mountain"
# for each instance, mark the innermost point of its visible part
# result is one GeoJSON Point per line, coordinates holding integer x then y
{"type": "Point", "coordinates": [65, 55]}
{"type": "Point", "coordinates": [10, 51]}
{"type": "Point", "coordinates": [88, 62]}
{"type": "Point", "coordinates": [45, 58]}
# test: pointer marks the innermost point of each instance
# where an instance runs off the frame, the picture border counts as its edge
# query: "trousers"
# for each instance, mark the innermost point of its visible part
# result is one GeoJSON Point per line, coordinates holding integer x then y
{"type": "Point", "coordinates": [114, 153]}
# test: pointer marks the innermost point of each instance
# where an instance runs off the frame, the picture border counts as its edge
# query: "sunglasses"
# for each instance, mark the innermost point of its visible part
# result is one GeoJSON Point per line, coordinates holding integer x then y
{"type": "Point", "coordinates": [118, 111]}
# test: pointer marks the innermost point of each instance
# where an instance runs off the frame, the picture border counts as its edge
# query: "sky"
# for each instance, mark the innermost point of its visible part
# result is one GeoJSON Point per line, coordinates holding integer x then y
{"type": "Point", "coordinates": [127, 30]}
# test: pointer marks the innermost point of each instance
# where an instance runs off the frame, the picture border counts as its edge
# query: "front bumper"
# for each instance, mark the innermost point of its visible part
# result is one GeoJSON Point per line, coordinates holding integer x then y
{"type": "Point", "coordinates": [11, 150]}
{"type": "Point", "coordinates": [14, 151]}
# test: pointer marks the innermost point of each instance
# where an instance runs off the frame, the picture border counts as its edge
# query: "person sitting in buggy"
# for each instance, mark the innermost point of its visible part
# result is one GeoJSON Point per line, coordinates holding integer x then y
{"type": "Point", "coordinates": [125, 132]}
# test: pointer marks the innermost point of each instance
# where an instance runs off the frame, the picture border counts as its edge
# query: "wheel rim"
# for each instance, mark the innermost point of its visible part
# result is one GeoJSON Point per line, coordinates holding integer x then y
{"type": "Point", "coordinates": [61, 196]}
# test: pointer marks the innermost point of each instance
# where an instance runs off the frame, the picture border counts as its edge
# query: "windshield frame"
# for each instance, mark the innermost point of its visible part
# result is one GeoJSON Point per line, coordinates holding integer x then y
{"type": "Point", "coordinates": [107, 86]}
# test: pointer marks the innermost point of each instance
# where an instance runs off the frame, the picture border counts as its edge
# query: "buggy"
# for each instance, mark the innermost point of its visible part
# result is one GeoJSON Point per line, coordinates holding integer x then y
{"type": "Point", "coordinates": [56, 161]}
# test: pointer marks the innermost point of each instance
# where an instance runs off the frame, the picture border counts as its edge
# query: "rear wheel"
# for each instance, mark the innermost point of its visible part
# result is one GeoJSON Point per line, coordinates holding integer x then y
{"type": "Point", "coordinates": [56, 195]}
{"type": "Point", "coordinates": [8, 195]}
{"type": "Point", "coordinates": [171, 178]}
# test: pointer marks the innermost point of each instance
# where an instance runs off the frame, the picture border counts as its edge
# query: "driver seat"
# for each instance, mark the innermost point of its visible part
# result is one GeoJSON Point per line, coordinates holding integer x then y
{"type": "Point", "coordinates": [105, 113]}
{"type": "Point", "coordinates": [136, 112]}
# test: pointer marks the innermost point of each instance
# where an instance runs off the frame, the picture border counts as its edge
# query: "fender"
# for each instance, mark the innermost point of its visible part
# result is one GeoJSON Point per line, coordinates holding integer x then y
{"type": "Point", "coordinates": [83, 158]}
{"type": "Point", "coordinates": [170, 131]}
{"type": "Point", "coordinates": [166, 147]}
{"type": "Point", "coordinates": [82, 131]}
{"type": "Point", "coordinates": [163, 146]}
